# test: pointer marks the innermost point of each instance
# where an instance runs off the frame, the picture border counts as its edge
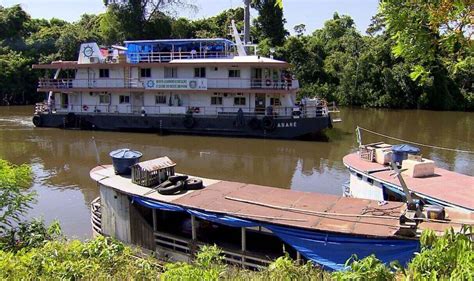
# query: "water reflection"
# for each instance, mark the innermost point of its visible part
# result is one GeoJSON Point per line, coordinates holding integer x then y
{"type": "Point", "coordinates": [62, 159]}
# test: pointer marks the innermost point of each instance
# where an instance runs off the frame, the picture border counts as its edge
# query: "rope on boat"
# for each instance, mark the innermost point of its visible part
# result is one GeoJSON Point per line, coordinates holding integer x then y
{"type": "Point", "coordinates": [316, 213]}
{"type": "Point", "coordinates": [407, 141]}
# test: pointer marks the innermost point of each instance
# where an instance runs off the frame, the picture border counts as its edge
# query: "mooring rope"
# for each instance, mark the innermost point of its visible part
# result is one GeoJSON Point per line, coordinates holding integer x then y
{"type": "Point", "coordinates": [407, 141]}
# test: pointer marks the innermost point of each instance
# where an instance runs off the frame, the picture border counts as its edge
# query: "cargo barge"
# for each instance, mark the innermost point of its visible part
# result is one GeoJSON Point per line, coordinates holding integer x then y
{"type": "Point", "coordinates": [255, 224]}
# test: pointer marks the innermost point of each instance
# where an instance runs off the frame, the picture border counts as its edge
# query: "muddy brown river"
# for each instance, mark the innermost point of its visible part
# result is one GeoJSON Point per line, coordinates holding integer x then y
{"type": "Point", "coordinates": [61, 159]}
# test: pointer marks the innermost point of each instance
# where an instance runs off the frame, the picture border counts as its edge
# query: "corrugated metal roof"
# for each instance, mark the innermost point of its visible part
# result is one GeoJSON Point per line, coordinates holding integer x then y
{"type": "Point", "coordinates": [156, 164]}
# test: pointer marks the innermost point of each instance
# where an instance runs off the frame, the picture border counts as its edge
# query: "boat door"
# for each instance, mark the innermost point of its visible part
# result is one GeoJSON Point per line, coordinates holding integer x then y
{"type": "Point", "coordinates": [90, 79]}
{"type": "Point", "coordinates": [256, 78]}
{"type": "Point", "coordinates": [137, 102]}
{"type": "Point", "coordinates": [64, 100]}
{"type": "Point", "coordinates": [260, 103]}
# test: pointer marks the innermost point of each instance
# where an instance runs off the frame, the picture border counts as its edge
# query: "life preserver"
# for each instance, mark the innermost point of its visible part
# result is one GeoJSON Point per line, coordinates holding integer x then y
{"type": "Point", "coordinates": [268, 82]}
{"type": "Point", "coordinates": [85, 107]}
{"type": "Point", "coordinates": [269, 123]}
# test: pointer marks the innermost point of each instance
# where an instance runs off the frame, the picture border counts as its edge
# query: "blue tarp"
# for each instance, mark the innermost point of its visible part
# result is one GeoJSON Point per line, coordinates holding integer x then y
{"type": "Point", "coordinates": [405, 148]}
{"type": "Point", "coordinates": [330, 250]}
{"type": "Point", "coordinates": [222, 219]}
{"type": "Point", "coordinates": [157, 205]}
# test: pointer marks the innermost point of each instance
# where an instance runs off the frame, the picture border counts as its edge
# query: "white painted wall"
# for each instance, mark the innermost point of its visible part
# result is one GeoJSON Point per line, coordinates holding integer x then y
{"type": "Point", "coordinates": [362, 189]}
{"type": "Point", "coordinates": [216, 79]}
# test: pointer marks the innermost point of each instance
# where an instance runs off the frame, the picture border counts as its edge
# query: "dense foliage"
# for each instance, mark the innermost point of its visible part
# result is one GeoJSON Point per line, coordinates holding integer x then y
{"type": "Point", "coordinates": [14, 199]}
{"type": "Point", "coordinates": [415, 55]}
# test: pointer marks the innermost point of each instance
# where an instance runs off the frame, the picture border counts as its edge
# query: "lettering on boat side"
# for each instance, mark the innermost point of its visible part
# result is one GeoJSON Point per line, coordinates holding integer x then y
{"type": "Point", "coordinates": [182, 84]}
{"type": "Point", "coordinates": [286, 125]}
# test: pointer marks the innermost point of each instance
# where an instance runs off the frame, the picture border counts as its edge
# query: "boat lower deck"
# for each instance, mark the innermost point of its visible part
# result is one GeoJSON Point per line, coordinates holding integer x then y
{"type": "Point", "coordinates": [258, 126]}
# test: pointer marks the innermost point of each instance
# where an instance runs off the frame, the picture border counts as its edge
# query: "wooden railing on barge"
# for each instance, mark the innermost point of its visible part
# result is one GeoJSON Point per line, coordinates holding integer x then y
{"type": "Point", "coordinates": [96, 217]}
{"type": "Point", "coordinates": [185, 246]}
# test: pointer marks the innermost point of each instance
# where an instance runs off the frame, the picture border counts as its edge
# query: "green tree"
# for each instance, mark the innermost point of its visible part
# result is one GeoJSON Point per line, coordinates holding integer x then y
{"type": "Point", "coordinates": [270, 23]}
{"type": "Point", "coordinates": [435, 38]}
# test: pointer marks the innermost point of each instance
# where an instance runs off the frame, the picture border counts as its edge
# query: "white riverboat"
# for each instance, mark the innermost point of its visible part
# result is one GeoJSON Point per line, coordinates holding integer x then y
{"type": "Point", "coordinates": [196, 86]}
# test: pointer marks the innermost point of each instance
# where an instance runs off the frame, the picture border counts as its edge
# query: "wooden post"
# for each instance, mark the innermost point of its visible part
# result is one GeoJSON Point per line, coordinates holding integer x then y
{"type": "Point", "coordinates": [193, 228]}
{"type": "Point", "coordinates": [154, 220]}
{"type": "Point", "coordinates": [298, 257]}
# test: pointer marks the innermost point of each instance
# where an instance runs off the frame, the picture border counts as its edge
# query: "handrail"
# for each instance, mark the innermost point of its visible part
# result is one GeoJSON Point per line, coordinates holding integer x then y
{"type": "Point", "coordinates": [213, 111]}
{"type": "Point", "coordinates": [151, 57]}
{"type": "Point", "coordinates": [183, 245]}
{"type": "Point", "coordinates": [96, 216]}
{"type": "Point", "coordinates": [139, 83]}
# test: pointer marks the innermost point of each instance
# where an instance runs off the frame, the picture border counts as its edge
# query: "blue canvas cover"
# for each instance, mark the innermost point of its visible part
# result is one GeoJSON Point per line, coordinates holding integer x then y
{"type": "Point", "coordinates": [405, 148]}
{"type": "Point", "coordinates": [330, 250]}
{"type": "Point", "coordinates": [157, 205]}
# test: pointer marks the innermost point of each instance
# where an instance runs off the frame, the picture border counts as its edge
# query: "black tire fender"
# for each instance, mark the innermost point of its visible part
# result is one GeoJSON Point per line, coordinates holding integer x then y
{"type": "Point", "coordinates": [269, 123]}
{"type": "Point", "coordinates": [189, 122]}
{"type": "Point", "coordinates": [176, 178]}
{"type": "Point", "coordinates": [171, 189]}
{"type": "Point", "coordinates": [193, 184]}
{"type": "Point", "coordinates": [70, 119]}
{"type": "Point", "coordinates": [37, 121]}
{"type": "Point", "coordinates": [254, 123]}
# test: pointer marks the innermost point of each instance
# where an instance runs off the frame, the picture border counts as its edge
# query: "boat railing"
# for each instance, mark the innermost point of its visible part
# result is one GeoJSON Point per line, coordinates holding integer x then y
{"type": "Point", "coordinates": [208, 111]}
{"type": "Point", "coordinates": [96, 217]}
{"type": "Point", "coordinates": [159, 57]}
{"type": "Point", "coordinates": [134, 83]}
{"type": "Point", "coordinates": [188, 247]}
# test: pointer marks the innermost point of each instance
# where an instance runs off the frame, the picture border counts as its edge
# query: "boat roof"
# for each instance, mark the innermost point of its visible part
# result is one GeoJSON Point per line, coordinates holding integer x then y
{"type": "Point", "coordinates": [156, 164]}
{"type": "Point", "coordinates": [445, 186]}
{"type": "Point", "coordinates": [321, 212]}
{"type": "Point", "coordinates": [171, 41]}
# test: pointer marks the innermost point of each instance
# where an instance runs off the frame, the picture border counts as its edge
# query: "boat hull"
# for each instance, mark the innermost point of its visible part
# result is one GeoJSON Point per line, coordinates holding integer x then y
{"type": "Point", "coordinates": [251, 126]}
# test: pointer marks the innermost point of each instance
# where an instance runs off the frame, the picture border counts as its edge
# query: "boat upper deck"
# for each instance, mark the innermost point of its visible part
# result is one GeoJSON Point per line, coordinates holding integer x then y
{"type": "Point", "coordinates": [306, 210]}
{"type": "Point", "coordinates": [445, 186]}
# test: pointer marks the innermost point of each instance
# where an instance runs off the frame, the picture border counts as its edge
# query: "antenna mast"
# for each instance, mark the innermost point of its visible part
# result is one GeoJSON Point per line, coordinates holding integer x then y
{"type": "Point", "coordinates": [247, 22]}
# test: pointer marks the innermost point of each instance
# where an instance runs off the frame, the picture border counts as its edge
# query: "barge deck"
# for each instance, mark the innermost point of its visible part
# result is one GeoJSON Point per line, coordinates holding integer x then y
{"type": "Point", "coordinates": [445, 187]}
{"type": "Point", "coordinates": [325, 229]}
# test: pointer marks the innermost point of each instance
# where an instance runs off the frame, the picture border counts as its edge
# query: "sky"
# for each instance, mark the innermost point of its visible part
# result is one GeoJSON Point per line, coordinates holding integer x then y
{"type": "Point", "coordinates": [312, 13]}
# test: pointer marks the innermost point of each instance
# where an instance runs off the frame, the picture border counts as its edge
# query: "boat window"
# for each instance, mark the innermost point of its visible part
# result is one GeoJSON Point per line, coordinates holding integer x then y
{"type": "Point", "coordinates": [371, 181]}
{"type": "Point", "coordinates": [171, 72]}
{"type": "Point", "coordinates": [160, 99]}
{"type": "Point", "coordinates": [359, 176]}
{"type": "Point", "coordinates": [124, 99]}
{"type": "Point", "coordinates": [275, 101]}
{"type": "Point", "coordinates": [104, 73]}
{"type": "Point", "coordinates": [216, 100]}
{"type": "Point", "coordinates": [200, 72]}
{"type": "Point", "coordinates": [145, 72]}
{"type": "Point", "coordinates": [239, 101]}
{"type": "Point", "coordinates": [234, 73]}
{"type": "Point", "coordinates": [104, 98]}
